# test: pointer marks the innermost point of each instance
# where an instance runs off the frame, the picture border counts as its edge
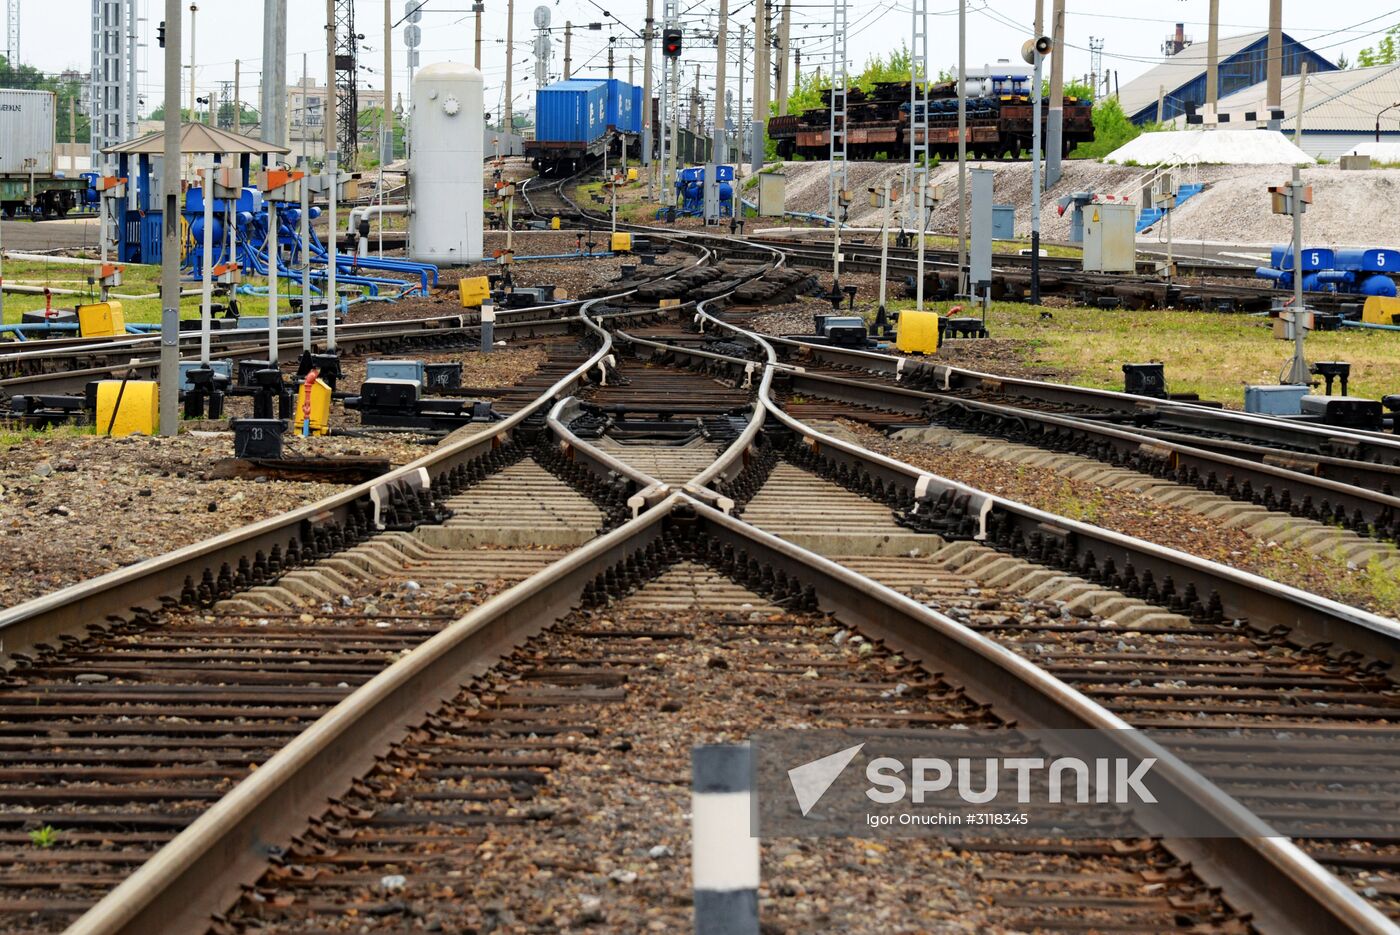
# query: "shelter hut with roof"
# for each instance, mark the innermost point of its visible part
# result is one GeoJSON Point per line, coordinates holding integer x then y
{"type": "Point", "coordinates": [140, 161]}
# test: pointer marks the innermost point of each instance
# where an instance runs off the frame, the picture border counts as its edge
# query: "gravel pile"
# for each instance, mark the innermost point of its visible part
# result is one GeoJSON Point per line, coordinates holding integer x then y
{"type": "Point", "coordinates": [1352, 208]}
{"type": "Point", "coordinates": [1235, 147]}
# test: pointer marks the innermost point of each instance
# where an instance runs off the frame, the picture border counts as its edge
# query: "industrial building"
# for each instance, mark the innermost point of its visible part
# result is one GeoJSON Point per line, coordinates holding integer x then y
{"type": "Point", "coordinates": [1180, 80]}
{"type": "Point", "coordinates": [1343, 111]}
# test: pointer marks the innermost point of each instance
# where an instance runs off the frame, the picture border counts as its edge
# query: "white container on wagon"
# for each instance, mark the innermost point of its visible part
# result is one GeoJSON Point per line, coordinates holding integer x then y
{"type": "Point", "coordinates": [26, 132]}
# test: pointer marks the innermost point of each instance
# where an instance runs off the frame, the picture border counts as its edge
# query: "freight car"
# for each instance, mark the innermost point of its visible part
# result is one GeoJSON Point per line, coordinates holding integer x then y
{"type": "Point", "coordinates": [999, 109]}
{"type": "Point", "coordinates": [576, 119]}
{"type": "Point", "coordinates": [29, 184]}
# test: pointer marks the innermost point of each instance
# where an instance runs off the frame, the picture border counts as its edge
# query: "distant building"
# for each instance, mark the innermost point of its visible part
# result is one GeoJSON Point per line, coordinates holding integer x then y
{"type": "Point", "coordinates": [1242, 62]}
{"type": "Point", "coordinates": [306, 112]}
{"type": "Point", "coordinates": [1340, 109]}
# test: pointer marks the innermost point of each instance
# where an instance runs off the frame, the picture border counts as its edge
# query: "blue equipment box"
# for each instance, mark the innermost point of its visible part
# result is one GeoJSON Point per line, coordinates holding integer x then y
{"type": "Point", "coordinates": [1275, 400]}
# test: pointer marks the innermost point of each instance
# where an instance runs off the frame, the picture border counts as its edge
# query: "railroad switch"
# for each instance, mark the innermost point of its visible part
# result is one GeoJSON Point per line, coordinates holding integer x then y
{"type": "Point", "coordinates": [1331, 370]}
{"type": "Point", "coordinates": [43, 410]}
{"type": "Point", "coordinates": [399, 403]}
{"type": "Point", "coordinates": [1145, 380]}
{"type": "Point", "coordinates": [327, 364]}
{"type": "Point", "coordinates": [1351, 412]}
{"type": "Point", "coordinates": [205, 385]}
{"type": "Point", "coordinates": [963, 327]}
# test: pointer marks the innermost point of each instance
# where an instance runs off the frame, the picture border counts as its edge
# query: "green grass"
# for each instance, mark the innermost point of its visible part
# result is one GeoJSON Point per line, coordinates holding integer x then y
{"type": "Point", "coordinates": [632, 204]}
{"type": "Point", "coordinates": [1004, 246]}
{"type": "Point", "coordinates": [1212, 354]}
{"type": "Point", "coordinates": [23, 434]}
{"type": "Point", "coordinates": [137, 279]}
{"type": "Point", "coordinates": [44, 837]}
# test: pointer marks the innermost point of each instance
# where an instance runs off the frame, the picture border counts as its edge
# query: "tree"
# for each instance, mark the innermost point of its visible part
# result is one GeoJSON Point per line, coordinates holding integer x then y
{"type": "Point", "coordinates": [1386, 52]}
{"type": "Point", "coordinates": [159, 114]}
{"type": "Point", "coordinates": [1343, 62]}
{"type": "Point", "coordinates": [67, 90]}
{"type": "Point", "coordinates": [1112, 129]}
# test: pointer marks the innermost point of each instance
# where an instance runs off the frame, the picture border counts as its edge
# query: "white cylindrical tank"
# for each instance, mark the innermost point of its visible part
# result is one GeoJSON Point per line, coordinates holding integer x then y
{"type": "Point", "coordinates": [447, 124]}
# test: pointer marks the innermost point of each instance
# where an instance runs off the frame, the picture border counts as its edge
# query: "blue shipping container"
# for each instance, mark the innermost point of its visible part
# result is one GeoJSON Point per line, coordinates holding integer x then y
{"type": "Point", "coordinates": [637, 115]}
{"type": "Point", "coordinates": [573, 111]}
{"type": "Point", "coordinates": [620, 113]}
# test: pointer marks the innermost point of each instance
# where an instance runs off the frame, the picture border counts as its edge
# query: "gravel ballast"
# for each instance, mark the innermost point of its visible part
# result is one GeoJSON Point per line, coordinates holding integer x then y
{"type": "Point", "coordinates": [76, 506]}
{"type": "Point", "coordinates": [1349, 208]}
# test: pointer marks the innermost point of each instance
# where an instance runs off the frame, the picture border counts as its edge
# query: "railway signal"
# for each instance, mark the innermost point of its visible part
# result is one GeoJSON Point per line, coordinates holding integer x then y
{"type": "Point", "coordinates": [1293, 199]}
{"type": "Point", "coordinates": [671, 42]}
{"type": "Point", "coordinates": [1034, 52]}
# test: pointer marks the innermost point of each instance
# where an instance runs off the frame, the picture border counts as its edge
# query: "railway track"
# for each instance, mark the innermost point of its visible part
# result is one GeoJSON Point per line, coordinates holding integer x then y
{"type": "Point", "coordinates": [1208, 287]}
{"type": "Point", "coordinates": [764, 535]}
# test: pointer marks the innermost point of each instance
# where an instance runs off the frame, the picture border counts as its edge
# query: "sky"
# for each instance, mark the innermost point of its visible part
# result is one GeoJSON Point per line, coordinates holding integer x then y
{"type": "Point", "coordinates": [1132, 35]}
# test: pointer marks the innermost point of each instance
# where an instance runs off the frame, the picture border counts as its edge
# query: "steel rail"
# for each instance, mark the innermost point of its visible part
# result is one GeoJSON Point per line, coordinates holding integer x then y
{"type": "Point", "coordinates": [1310, 618]}
{"type": "Point", "coordinates": [800, 237]}
{"type": "Point", "coordinates": [1253, 870]}
{"type": "Point", "coordinates": [1375, 509]}
{"type": "Point", "coordinates": [1324, 439]}
{"type": "Point", "coordinates": [201, 871]}
{"type": "Point", "coordinates": [71, 610]}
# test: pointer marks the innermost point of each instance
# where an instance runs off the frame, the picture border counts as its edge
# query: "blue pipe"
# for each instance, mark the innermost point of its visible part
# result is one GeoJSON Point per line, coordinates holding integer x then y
{"type": "Point", "coordinates": [1366, 324]}
{"type": "Point", "coordinates": [37, 327]}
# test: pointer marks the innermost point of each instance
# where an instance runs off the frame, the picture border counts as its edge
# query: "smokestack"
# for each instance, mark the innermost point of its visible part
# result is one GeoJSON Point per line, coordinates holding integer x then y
{"type": "Point", "coordinates": [1179, 42]}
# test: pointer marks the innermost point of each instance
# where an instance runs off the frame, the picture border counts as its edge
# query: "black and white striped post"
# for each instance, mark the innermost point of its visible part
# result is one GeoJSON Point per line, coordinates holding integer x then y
{"type": "Point", "coordinates": [724, 856]}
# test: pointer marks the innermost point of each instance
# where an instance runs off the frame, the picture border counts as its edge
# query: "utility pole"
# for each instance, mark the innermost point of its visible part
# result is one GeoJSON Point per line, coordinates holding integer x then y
{"type": "Point", "coordinates": [962, 147]}
{"type": "Point", "coordinates": [1302, 89]}
{"type": "Point", "coordinates": [721, 138]}
{"type": "Point", "coordinates": [610, 62]}
{"type": "Point", "coordinates": [648, 111]}
{"type": "Point", "coordinates": [739, 111]}
{"type": "Point", "coordinates": [508, 109]}
{"type": "Point", "coordinates": [1213, 59]}
{"type": "Point", "coordinates": [171, 233]}
{"type": "Point", "coordinates": [193, 10]}
{"type": "Point", "coordinates": [784, 36]}
{"type": "Point", "coordinates": [796, 66]}
{"type": "Point", "coordinates": [568, 50]}
{"type": "Point", "coordinates": [237, 96]}
{"type": "Point", "coordinates": [1275, 63]}
{"type": "Point", "coordinates": [760, 83]}
{"type": "Point", "coordinates": [673, 161]}
{"type": "Point", "coordinates": [476, 59]}
{"type": "Point", "coordinates": [1161, 103]}
{"type": "Point", "coordinates": [1034, 50]}
{"type": "Point", "coordinates": [386, 149]}
{"type": "Point", "coordinates": [632, 69]}
{"type": "Point", "coordinates": [272, 96]}
{"type": "Point", "coordinates": [1055, 123]}
{"type": "Point", "coordinates": [333, 176]}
